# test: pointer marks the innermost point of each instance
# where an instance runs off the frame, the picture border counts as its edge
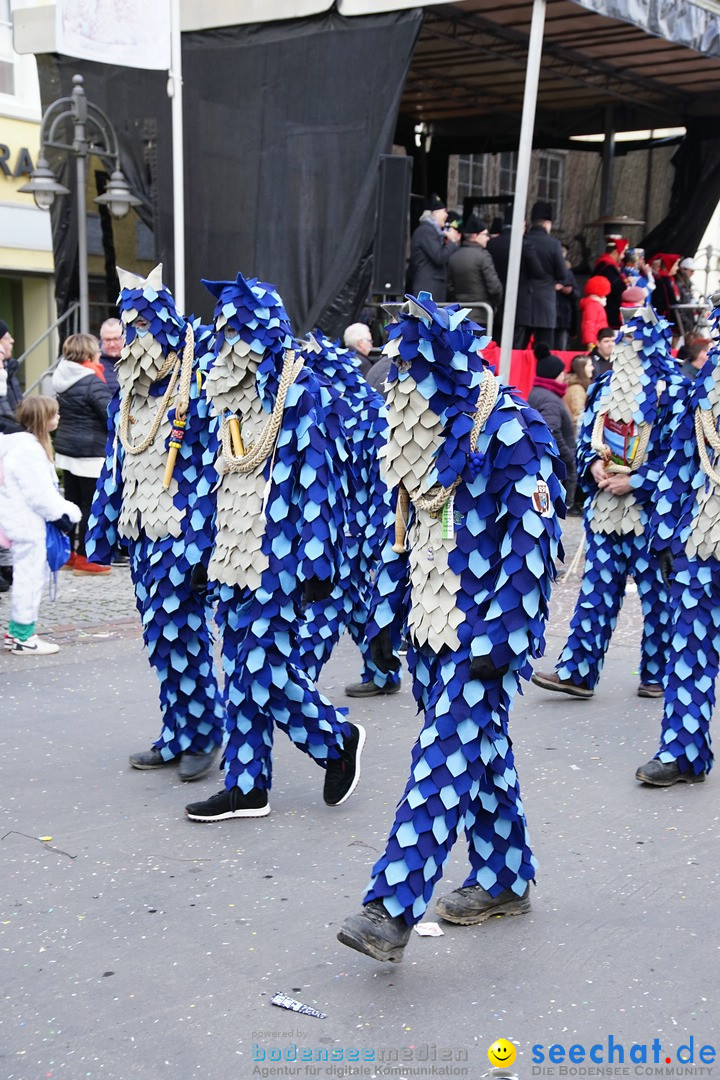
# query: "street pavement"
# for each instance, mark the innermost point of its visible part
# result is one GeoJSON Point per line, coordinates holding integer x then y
{"type": "Point", "coordinates": [138, 944]}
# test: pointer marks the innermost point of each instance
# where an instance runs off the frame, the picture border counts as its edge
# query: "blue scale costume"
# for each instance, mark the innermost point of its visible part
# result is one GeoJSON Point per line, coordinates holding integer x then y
{"type": "Point", "coordinates": [628, 421]}
{"type": "Point", "coordinates": [686, 522]}
{"type": "Point", "coordinates": [364, 419]}
{"type": "Point", "coordinates": [165, 531]}
{"type": "Point", "coordinates": [278, 522]}
{"type": "Point", "coordinates": [470, 586]}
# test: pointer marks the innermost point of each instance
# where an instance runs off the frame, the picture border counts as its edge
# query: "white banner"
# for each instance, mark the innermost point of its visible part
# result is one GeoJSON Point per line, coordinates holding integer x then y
{"type": "Point", "coordinates": [133, 33]}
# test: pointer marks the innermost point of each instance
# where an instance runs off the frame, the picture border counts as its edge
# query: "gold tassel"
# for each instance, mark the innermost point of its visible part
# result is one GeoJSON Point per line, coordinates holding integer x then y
{"type": "Point", "coordinates": [402, 510]}
{"type": "Point", "coordinates": [235, 437]}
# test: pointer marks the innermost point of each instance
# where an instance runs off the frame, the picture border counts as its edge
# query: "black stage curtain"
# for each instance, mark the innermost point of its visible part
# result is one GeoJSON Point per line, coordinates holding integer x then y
{"type": "Point", "coordinates": [284, 126]}
{"type": "Point", "coordinates": [695, 191]}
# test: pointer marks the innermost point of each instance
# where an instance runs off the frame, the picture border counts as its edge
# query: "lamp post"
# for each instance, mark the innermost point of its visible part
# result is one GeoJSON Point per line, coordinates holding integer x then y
{"type": "Point", "coordinates": [92, 134]}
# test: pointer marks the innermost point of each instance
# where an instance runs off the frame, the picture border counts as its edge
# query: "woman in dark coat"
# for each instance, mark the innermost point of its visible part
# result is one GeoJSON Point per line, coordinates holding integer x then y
{"type": "Point", "coordinates": [83, 396]}
{"type": "Point", "coordinates": [546, 397]}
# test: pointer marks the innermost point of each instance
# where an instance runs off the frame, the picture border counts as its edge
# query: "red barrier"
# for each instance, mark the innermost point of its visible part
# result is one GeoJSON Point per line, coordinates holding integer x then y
{"type": "Point", "coordinates": [522, 365]}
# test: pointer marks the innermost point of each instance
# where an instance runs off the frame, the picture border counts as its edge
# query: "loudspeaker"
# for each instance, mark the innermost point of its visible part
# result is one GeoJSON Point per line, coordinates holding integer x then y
{"type": "Point", "coordinates": [391, 230]}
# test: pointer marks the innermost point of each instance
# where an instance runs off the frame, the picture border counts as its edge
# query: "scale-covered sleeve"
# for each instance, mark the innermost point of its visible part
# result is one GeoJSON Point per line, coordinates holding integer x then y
{"type": "Point", "coordinates": [506, 592]}
{"type": "Point", "coordinates": [312, 441]}
{"type": "Point", "coordinates": [102, 532]}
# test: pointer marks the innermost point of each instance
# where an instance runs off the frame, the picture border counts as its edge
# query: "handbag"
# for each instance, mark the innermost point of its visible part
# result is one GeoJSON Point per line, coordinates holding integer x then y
{"type": "Point", "coordinates": [57, 545]}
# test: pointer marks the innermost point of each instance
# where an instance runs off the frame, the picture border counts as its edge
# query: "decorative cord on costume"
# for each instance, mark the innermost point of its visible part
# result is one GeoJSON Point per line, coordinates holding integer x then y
{"type": "Point", "coordinates": [435, 501]}
{"type": "Point", "coordinates": [603, 451]}
{"type": "Point", "coordinates": [258, 452]}
{"type": "Point", "coordinates": [706, 434]}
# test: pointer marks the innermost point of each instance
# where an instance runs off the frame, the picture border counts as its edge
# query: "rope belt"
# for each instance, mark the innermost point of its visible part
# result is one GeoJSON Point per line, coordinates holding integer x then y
{"type": "Point", "coordinates": [706, 435]}
{"type": "Point", "coordinates": [258, 452]}
{"type": "Point", "coordinates": [435, 501]}
{"type": "Point", "coordinates": [182, 370]}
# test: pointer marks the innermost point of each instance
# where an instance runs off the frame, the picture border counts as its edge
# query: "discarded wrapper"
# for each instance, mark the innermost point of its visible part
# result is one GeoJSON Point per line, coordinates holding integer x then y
{"type": "Point", "coordinates": [428, 929]}
{"type": "Point", "coordinates": [285, 1002]}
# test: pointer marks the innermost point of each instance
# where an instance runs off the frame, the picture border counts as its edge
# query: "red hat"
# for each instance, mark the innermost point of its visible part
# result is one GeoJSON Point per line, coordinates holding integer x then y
{"type": "Point", "coordinates": [633, 297]}
{"type": "Point", "coordinates": [620, 242]}
{"type": "Point", "coordinates": [668, 260]}
{"type": "Point", "coordinates": [597, 286]}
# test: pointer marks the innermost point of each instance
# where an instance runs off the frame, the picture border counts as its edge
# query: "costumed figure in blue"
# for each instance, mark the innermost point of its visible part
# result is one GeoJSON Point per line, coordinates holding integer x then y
{"type": "Point", "coordinates": [154, 495]}
{"type": "Point", "coordinates": [622, 447]}
{"type": "Point", "coordinates": [480, 489]}
{"type": "Point", "coordinates": [369, 515]}
{"type": "Point", "coordinates": [278, 524]}
{"type": "Point", "coordinates": [685, 530]}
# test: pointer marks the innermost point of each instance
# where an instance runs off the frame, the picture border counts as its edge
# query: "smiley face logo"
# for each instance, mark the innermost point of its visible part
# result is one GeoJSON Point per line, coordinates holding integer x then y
{"type": "Point", "coordinates": [501, 1053]}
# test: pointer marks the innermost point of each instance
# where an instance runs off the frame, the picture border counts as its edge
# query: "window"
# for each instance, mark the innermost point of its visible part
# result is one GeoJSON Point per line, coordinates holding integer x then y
{"type": "Point", "coordinates": [7, 57]}
{"type": "Point", "coordinates": [551, 173]}
{"type": "Point", "coordinates": [144, 241]}
{"type": "Point", "coordinates": [470, 176]}
{"type": "Point", "coordinates": [507, 171]}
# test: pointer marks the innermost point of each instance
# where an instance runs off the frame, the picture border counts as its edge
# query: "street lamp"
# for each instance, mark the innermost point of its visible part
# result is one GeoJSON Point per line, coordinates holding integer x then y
{"type": "Point", "coordinates": [92, 134]}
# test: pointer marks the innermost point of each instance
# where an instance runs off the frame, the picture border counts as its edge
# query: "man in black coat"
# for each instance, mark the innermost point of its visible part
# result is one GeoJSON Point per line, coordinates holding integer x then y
{"type": "Point", "coordinates": [112, 339]}
{"type": "Point", "coordinates": [471, 271]}
{"type": "Point", "coordinates": [544, 290]}
{"type": "Point", "coordinates": [10, 392]}
{"type": "Point", "coordinates": [530, 271]}
{"type": "Point", "coordinates": [432, 244]}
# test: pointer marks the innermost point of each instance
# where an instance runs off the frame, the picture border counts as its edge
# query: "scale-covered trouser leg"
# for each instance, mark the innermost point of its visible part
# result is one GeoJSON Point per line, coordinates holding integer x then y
{"type": "Point", "coordinates": [177, 635]}
{"type": "Point", "coordinates": [321, 628]}
{"type": "Point", "coordinates": [346, 608]}
{"type": "Point", "coordinates": [266, 685]}
{"type": "Point", "coordinates": [657, 612]}
{"type": "Point", "coordinates": [692, 667]}
{"type": "Point", "coordinates": [608, 561]}
{"type": "Point", "coordinates": [462, 777]}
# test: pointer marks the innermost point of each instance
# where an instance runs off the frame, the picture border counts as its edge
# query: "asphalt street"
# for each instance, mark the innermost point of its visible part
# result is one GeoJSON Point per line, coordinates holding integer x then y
{"type": "Point", "coordinates": [138, 944]}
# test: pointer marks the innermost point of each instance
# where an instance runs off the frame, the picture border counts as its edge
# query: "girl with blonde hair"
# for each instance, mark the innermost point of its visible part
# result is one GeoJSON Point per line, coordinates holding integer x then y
{"type": "Point", "coordinates": [30, 497]}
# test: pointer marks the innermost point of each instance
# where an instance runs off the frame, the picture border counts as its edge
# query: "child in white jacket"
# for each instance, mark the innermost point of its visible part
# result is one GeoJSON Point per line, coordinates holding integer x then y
{"type": "Point", "coordinates": [30, 497]}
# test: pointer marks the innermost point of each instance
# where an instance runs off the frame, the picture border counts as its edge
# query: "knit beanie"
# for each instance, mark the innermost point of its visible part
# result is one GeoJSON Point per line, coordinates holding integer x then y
{"type": "Point", "coordinates": [547, 366]}
{"type": "Point", "coordinates": [4, 329]}
{"type": "Point", "coordinates": [597, 286]}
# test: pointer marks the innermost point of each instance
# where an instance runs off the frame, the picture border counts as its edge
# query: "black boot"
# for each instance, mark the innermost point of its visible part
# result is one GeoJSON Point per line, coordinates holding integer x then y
{"type": "Point", "coordinates": [376, 933]}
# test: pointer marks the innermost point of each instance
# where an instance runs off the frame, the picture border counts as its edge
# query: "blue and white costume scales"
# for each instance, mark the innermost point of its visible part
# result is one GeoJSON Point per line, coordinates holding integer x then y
{"type": "Point", "coordinates": [278, 525]}
{"type": "Point", "coordinates": [166, 531]}
{"type": "Point", "coordinates": [687, 522]}
{"type": "Point", "coordinates": [369, 513]}
{"type": "Point", "coordinates": [474, 582]}
{"type": "Point", "coordinates": [628, 421]}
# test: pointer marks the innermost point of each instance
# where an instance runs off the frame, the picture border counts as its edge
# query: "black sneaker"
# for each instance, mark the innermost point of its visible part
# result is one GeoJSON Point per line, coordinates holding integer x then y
{"type": "Point", "coordinates": [472, 905]}
{"type": "Point", "coordinates": [371, 689]}
{"type": "Point", "coordinates": [375, 932]}
{"type": "Point", "coordinates": [230, 804]}
{"type": "Point", "coordinates": [342, 773]}
{"type": "Point", "coordinates": [666, 773]}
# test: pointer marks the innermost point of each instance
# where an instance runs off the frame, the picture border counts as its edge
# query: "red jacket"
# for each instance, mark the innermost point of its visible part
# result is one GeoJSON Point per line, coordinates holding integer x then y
{"type": "Point", "coordinates": [593, 316]}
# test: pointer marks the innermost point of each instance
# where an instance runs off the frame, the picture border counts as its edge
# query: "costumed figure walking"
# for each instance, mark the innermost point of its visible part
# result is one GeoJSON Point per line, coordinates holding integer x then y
{"type": "Point", "coordinates": [364, 419]}
{"type": "Point", "coordinates": [279, 521]}
{"type": "Point", "coordinates": [623, 443]}
{"type": "Point", "coordinates": [469, 575]}
{"type": "Point", "coordinates": [685, 530]}
{"type": "Point", "coordinates": [153, 494]}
